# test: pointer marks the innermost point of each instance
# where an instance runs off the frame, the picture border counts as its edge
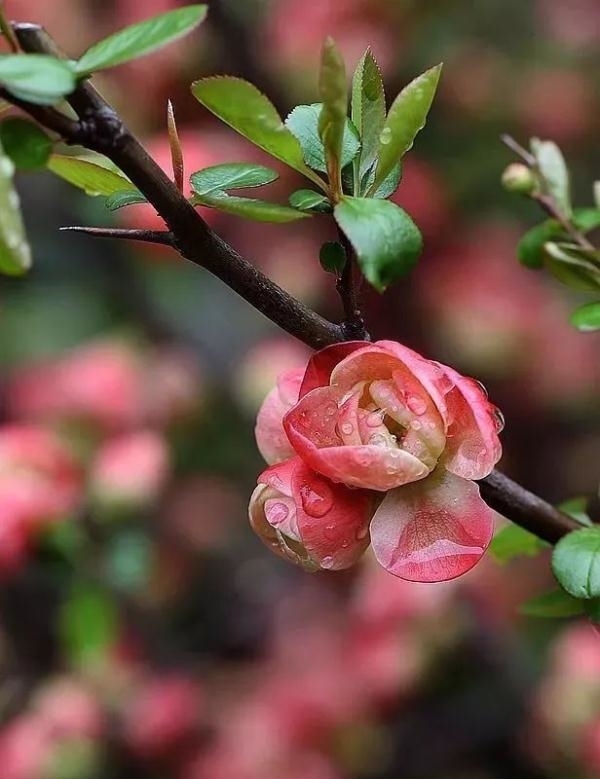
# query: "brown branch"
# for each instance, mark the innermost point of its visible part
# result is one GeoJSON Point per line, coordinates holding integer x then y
{"type": "Point", "coordinates": [101, 130]}
{"type": "Point", "coordinates": [353, 324]}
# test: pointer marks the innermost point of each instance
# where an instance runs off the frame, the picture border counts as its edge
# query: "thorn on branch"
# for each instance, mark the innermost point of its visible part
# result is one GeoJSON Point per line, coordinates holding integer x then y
{"type": "Point", "coordinates": [148, 236]}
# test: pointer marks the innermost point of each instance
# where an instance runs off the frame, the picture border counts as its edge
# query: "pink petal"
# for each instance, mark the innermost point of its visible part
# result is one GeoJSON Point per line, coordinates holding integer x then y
{"type": "Point", "coordinates": [473, 446]}
{"type": "Point", "coordinates": [433, 530]}
{"type": "Point", "coordinates": [313, 427]}
{"type": "Point", "coordinates": [324, 361]}
{"type": "Point", "coordinates": [270, 436]}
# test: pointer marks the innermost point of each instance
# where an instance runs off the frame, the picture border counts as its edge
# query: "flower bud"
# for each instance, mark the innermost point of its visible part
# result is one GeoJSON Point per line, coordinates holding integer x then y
{"type": "Point", "coordinates": [519, 178]}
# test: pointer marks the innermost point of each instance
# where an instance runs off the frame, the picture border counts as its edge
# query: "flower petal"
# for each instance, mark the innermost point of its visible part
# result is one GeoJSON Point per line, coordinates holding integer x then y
{"type": "Point", "coordinates": [473, 447]}
{"type": "Point", "coordinates": [270, 436]}
{"type": "Point", "coordinates": [433, 530]}
{"type": "Point", "coordinates": [321, 364]}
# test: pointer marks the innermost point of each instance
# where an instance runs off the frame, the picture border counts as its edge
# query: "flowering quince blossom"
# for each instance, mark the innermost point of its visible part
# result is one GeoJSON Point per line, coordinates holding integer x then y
{"type": "Point", "coordinates": [374, 443]}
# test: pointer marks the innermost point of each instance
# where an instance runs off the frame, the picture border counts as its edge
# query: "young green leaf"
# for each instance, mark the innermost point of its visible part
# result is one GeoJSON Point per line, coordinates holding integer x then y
{"type": "Point", "coordinates": [390, 184]}
{"type": "Point", "coordinates": [92, 178]}
{"type": "Point", "coordinates": [513, 541]}
{"type": "Point", "coordinates": [175, 147]}
{"type": "Point", "coordinates": [332, 257]}
{"type": "Point", "coordinates": [407, 116]}
{"type": "Point", "coordinates": [15, 254]}
{"type": "Point", "coordinates": [308, 200]}
{"type": "Point", "coordinates": [25, 143]}
{"type": "Point", "coordinates": [530, 249]}
{"type": "Point", "coordinates": [303, 121]}
{"type": "Point", "coordinates": [126, 197]}
{"type": "Point", "coordinates": [368, 112]}
{"type": "Point", "coordinates": [587, 318]}
{"type": "Point", "coordinates": [140, 39]}
{"type": "Point", "coordinates": [386, 240]}
{"type": "Point", "coordinates": [570, 265]}
{"type": "Point", "coordinates": [249, 208]}
{"type": "Point", "coordinates": [231, 175]}
{"type": "Point", "coordinates": [37, 78]}
{"type": "Point", "coordinates": [556, 603]}
{"type": "Point", "coordinates": [576, 563]}
{"type": "Point", "coordinates": [240, 105]}
{"type": "Point", "coordinates": [553, 169]}
{"type": "Point", "coordinates": [333, 90]}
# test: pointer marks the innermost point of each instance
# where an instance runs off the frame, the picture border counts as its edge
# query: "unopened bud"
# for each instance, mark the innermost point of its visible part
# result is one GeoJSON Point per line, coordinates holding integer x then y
{"type": "Point", "coordinates": [519, 178]}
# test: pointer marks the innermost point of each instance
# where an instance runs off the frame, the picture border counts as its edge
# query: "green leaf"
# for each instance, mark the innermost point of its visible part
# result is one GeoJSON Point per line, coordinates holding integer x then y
{"type": "Point", "coordinates": [308, 200]}
{"type": "Point", "coordinates": [406, 117]}
{"type": "Point", "coordinates": [569, 264]}
{"type": "Point", "coordinates": [25, 143]}
{"type": "Point", "coordinates": [556, 603]}
{"type": "Point", "coordinates": [240, 105]}
{"type": "Point", "coordinates": [333, 90]}
{"type": "Point", "coordinates": [576, 563]}
{"type": "Point", "coordinates": [15, 254]}
{"type": "Point", "coordinates": [232, 175]}
{"type": "Point", "coordinates": [140, 39]}
{"type": "Point", "coordinates": [386, 240]}
{"type": "Point", "coordinates": [587, 318]}
{"type": "Point", "coordinates": [126, 197]}
{"type": "Point", "coordinates": [368, 112]}
{"type": "Point", "coordinates": [530, 250]}
{"type": "Point", "coordinates": [577, 508]}
{"type": "Point", "coordinates": [37, 78]}
{"type": "Point", "coordinates": [249, 208]}
{"type": "Point", "coordinates": [304, 124]}
{"type": "Point", "coordinates": [553, 169]}
{"type": "Point", "coordinates": [94, 179]}
{"type": "Point", "coordinates": [332, 257]}
{"type": "Point", "coordinates": [513, 541]}
{"type": "Point", "coordinates": [390, 184]}
{"type": "Point", "coordinates": [88, 623]}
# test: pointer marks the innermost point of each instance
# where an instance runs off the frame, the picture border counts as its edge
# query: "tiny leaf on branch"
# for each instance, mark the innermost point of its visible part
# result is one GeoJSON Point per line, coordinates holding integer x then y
{"type": "Point", "coordinates": [333, 90]}
{"type": "Point", "coordinates": [555, 174]}
{"type": "Point", "coordinates": [530, 249]}
{"type": "Point", "coordinates": [175, 147]}
{"type": "Point", "coordinates": [587, 318]}
{"type": "Point", "coordinates": [303, 121]}
{"type": "Point", "coordinates": [568, 264]}
{"type": "Point", "coordinates": [249, 208]}
{"type": "Point", "coordinates": [368, 112]}
{"type": "Point", "coordinates": [88, 623]}
{"type": "Point", "coordinates": [127, 197]}
{"type": "Point", "coordinates": [386, 240]}
{"type": "Point", "coordinates": [37, 78]}
{"type": "Point", "coordinates": [406, 117]}
{"type": "Point", "coordinates": [25, 143]}
{"type": "Point", "coordinates": [556, 603]}
{"type": "Point", "coordinates": [308, 200]}
{"type": "Point", "coordinates": [332, 257]}
{"type": "Point", "coordinates": [576, 563]}
{"type": "Point", "coordinates": [94, 179]}
{"type": "Point", "coordinates": [140, 39]}
{"type": "Point", "coordinates": [244, 108]}
{"type": "Point", "coordinates": [15, 254]}
{"type": "Point", "coordinates": [231, 175]}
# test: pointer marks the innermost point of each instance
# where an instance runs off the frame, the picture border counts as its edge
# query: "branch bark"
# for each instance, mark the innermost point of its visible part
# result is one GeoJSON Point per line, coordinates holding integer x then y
{"type": "Point", "coordinates": [100, 129]}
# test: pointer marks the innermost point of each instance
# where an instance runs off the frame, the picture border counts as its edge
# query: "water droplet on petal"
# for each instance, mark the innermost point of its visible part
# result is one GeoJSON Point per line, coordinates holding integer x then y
{"type": "Point", "coordinates": [375, 419]}
{"type": "Point", "coordinates": [482, 387]}
{"type": "Point", "coordinates": [276, 513]}
{"type": "Point", "coordinates": [416, 425]}
{"type": "Point", "coordinates": [362, 533]}
{"type": "Point", "coordinates": [317, 498]}
{"type": "Point", "coordinates": [416, 404]}
{"type": "Point", "coordinates": [327, 563]}
{"type": "Point", "coordinates": [347, 428]}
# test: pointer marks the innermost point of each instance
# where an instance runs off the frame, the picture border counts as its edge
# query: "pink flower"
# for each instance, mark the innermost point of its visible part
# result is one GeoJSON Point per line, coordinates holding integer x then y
{"type": "Point", "coordinates": [130, 471]}
{"type": "Point", "coordinates": [379, 417]}
{"type": "Point", "coordinates": [309, 519]}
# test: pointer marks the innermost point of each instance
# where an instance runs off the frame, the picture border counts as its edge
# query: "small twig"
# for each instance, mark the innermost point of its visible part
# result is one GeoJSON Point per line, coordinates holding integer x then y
{"type": "Point", "coordinates": [148, 236]}
{"type": "Point", "coordinates": [548, 205]}
{"type": "Point", "coordinates": [526, 156]}
{"type": "Point", "coordinates": [353, 324]}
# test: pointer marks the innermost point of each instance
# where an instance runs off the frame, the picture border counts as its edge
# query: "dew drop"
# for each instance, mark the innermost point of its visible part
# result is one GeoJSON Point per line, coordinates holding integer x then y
{"type": "Point", "coordinates": [416, 425]}
{"type": "Point", "coordinates": [362, 533]}
{"type": "Point", "coordinates": [498, 420]}
{"type": "Point", "coordinates": [375, 419]}
{"type": "Point", "coordinates": [317, 499]}
{"type": "Point", "coordinates": [416, 404]}
{"type": "Point", "coordinates": [327, 563]}
{"type": "Point", "coordinates": [386, 136]}
{"type": "Point", "coordinates": [347, 428]}
{"type": "Point", "coordinates": [276, 513]}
